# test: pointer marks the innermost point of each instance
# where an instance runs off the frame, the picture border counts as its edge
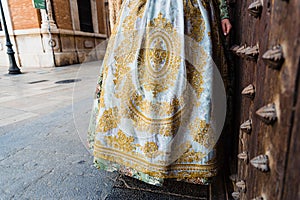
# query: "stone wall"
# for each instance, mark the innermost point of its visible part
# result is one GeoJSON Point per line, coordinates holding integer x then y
{"type": "Point", "coordinates": [71, 47]}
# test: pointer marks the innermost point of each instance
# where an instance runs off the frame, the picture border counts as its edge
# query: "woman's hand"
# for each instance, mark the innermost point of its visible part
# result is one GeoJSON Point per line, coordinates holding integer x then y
{"type": "Point", "coordinates": [226, 26]}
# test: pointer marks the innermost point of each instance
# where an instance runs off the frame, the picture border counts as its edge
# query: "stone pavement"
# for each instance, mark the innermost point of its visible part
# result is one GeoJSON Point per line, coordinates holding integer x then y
{"type": "Point", "coordinates": [42, 142]}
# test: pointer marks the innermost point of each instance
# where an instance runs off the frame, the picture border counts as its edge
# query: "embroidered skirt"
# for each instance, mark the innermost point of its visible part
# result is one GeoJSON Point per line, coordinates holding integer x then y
{"type": "Point", "coordinates": [152, 115]}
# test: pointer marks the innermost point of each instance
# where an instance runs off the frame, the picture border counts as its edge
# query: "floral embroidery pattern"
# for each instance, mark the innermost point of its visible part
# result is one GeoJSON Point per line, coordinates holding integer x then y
{"type": "Point", "coordinates": [121, 142]}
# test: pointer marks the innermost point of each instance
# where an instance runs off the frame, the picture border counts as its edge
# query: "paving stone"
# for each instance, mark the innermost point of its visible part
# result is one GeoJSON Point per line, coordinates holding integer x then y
{"type": "Point", "coordinates": [126, 194]}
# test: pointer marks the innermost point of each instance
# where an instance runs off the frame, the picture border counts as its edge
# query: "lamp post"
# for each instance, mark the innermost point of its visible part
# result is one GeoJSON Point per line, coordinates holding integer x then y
{"type": "Point", "coordinates": [13, 68]}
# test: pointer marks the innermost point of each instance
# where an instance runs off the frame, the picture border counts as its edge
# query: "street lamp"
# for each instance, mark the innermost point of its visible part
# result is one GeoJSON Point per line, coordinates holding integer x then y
{"type": "Point", "coordinates": [13, 68]}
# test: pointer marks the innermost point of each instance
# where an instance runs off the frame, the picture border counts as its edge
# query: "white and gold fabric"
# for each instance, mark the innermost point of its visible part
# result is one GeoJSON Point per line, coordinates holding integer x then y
{"type": "Point", "coordinates": [152, 113]}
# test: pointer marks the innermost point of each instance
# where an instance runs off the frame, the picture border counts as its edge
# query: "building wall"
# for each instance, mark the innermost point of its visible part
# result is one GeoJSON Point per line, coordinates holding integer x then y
{"type": "Point", "coordinates": [64, 44]}
{"type": "Point", "coordinates": [24, 18]}
{"type": "Point", "coordinates": [62, 14]}
{"type": "Point", "coordinates": [71, 44]}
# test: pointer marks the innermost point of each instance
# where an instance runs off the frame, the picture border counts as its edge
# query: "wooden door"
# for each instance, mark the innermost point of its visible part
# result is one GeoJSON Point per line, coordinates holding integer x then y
{"type": "Point", "coordinates": [273, 131]}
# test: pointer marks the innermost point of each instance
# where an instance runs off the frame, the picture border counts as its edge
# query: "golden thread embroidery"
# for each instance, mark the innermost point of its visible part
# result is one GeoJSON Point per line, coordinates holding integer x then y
{"type": "Point", "coordinates": [166, 126]}
{"type": "Point", "coordinates": [200, 132]}
{"type": "Point", "coordinates": [195, 79]}
{"type": "Point", "coordinates": [108, 120]}
{"type": "Point", "coordinates": [136, 158]}
{"type": "Point", "coordinates": [137, 9]}
{"type": "Point", "coordinates": [179, 171]}
{"type": "Point", "coordinates": [150, 150]}
{"type": "Point", "coordinates": [193, 16]}
{"type": "Point", "coordinates": [191, 156]}
{"type": "Point", "coordinates": [204, 3]}
{"type": "Point", "coordinates": [159, 65]}
{"type": "Point", "coordinates": [158, 68]}
{"type": "Point", "coordinates": [121, 142]}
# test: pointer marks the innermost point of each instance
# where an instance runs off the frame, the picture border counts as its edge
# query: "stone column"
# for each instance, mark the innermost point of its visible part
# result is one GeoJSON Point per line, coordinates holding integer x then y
{"type": "Point", "coordinates": [47, 18]}
{"type": "Point", "coordinates": [75, 15]}
{"type": "Point", "coordinates": [94, 16]}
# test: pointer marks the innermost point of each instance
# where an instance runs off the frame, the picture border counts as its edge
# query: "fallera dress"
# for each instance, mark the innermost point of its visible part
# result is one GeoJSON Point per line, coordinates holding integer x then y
{"type": "Point", "coordinates": [151, 117]}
